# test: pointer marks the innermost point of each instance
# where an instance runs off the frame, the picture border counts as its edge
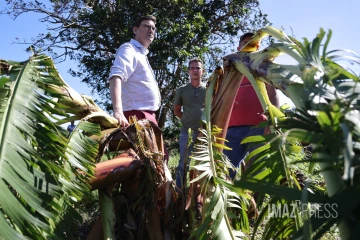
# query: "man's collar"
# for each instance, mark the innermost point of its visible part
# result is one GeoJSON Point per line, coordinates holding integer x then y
{"type": "Point", "coordinates": [140, 46]}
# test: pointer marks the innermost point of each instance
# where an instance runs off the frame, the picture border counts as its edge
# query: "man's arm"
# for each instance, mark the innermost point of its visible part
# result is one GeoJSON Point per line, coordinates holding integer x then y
{"type": "Point", "coordinates": [115, 93]}
{"type": "Point", "coordinates": [123, 66]}
{"type": "Point", "coordinates": [273, 96]}
{"type": "Point", "coordinates": [177, 111]}
{"type": "Point", "coordinates": [178, 103]}
{"type": "Point", "coordinates": [124, 63]}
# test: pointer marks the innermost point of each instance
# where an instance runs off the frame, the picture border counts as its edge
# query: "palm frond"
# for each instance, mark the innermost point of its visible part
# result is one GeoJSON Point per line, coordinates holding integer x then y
{"type": "Point", "coordinates": [42, 171]}
{"type": "Point", "coordinates": [326, 96]}
{"type": "Point", "coordinates": [211, 167]}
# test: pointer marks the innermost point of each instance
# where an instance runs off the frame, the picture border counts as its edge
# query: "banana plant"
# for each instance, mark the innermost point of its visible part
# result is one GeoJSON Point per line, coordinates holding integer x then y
{"type": "Point", "coordinates": [212, 170]}
{"type": "Point", "coordinates": [46, 173]}
{"type": "Point", "coordinates": [314, 85]}
{"type": "Point", "coordinates": [326, 97]}
{"type": "Point", "coordinates": [39, 163]}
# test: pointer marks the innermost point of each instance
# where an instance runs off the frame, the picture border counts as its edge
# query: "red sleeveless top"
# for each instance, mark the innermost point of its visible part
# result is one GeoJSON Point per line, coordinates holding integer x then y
{"type": "Point", "coordinates": [247, 108]}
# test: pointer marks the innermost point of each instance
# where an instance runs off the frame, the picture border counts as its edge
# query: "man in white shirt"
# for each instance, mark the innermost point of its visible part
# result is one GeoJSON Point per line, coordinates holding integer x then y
{"type": "Point", "coordinates": [133, 88]}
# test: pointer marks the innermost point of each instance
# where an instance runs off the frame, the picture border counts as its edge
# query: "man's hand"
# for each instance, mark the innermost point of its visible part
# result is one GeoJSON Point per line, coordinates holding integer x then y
{"type": "Point", "coordinates": [123, 122]}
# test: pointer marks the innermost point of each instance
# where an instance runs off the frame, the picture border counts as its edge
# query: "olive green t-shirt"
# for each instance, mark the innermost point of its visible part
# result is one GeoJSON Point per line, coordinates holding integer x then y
{"type": "Point", "coordinates": [192, 100]}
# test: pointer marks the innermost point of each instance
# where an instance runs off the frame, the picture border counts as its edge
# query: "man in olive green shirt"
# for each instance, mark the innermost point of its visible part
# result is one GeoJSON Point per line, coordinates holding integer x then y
{"type": "Point", "coordinates": [191, 99]}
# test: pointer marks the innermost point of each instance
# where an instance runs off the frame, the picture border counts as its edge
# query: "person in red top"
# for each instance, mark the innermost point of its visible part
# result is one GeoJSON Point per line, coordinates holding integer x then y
{"type": "Point", "coordinates": [246, 114]}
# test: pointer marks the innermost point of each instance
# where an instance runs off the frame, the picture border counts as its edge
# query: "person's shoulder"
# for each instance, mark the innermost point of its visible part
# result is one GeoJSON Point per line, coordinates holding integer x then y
{"type": "Point", "coordinates": [180, 90]}
{"type": "Point", "coordinates": [126, 50]}
{"type": "Point", "coordinates": [127, 46]}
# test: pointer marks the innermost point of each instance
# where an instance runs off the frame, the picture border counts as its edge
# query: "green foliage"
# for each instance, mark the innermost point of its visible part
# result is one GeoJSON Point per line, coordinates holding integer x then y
{"type": "Point", "coordinates": [171, 135]}
{"type": "Point", "coordinates": [40, 179]}
{"type": "Point", "coordinates": [220, 203]}
{"type": "Point", "coordinates": [326, 121]}
{"type": "Point", "coordinates": [326, 117]}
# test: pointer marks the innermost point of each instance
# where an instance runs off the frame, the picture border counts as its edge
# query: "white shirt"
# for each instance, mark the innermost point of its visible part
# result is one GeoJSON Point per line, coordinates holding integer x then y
{"type": "Point", "coordinates": [139, 88]}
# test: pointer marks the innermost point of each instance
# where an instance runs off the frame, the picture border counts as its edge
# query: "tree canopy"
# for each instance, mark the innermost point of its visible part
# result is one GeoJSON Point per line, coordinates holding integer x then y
{"type": "Point", "coordinates": [90, 32]}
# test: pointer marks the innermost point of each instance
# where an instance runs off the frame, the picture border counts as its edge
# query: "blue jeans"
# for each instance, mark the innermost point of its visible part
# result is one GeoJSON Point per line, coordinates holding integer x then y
{"type": "Point", "coordinates": [239, 151]}
{"type": "Point", "coordinates": [185, 152]}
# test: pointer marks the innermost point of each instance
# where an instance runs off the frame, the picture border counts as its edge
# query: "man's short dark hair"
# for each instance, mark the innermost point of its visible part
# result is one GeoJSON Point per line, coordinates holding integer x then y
{"type": "Point", "coordinates": [245, 35]}
{"type": "Point", "coordinates": [196, 59]}
{"type": "Point", "coordinates": [142, 18]}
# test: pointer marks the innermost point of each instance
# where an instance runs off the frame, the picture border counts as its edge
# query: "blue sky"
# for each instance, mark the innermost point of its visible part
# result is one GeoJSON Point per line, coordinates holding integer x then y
{"type": "Point", "coordinates": [304, 18]}
{"type": "Point", "coordinates": [300, 18]}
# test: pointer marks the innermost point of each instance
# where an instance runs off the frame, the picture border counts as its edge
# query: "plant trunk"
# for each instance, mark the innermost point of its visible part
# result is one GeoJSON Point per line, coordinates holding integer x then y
{"type": "Point", "coordinates": [119, 169]}
{"type": "Point", "coordinates": [108, 218]}
{"type": "Point", "coordinates": [224, 95]}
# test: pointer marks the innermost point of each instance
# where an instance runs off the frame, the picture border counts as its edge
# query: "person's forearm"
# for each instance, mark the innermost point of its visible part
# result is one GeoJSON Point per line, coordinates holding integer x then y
{"type": "Point", "coordinates": [273, 96]}
{"type": "Point", "coordinates": [177, 110]}
{"type": "Point", "coordinates": [274, 99]}
{"type": "Point", "coordinates": [115, 93]}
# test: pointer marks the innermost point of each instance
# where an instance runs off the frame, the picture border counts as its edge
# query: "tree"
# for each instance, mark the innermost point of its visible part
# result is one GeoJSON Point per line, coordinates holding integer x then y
{"type": "Point", "coordinates": [90, 32]}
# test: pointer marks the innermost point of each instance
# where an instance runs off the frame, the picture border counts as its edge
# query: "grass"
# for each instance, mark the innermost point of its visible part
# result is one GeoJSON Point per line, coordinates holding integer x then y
{"type": "Point", "coordinates": [174, 158]}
